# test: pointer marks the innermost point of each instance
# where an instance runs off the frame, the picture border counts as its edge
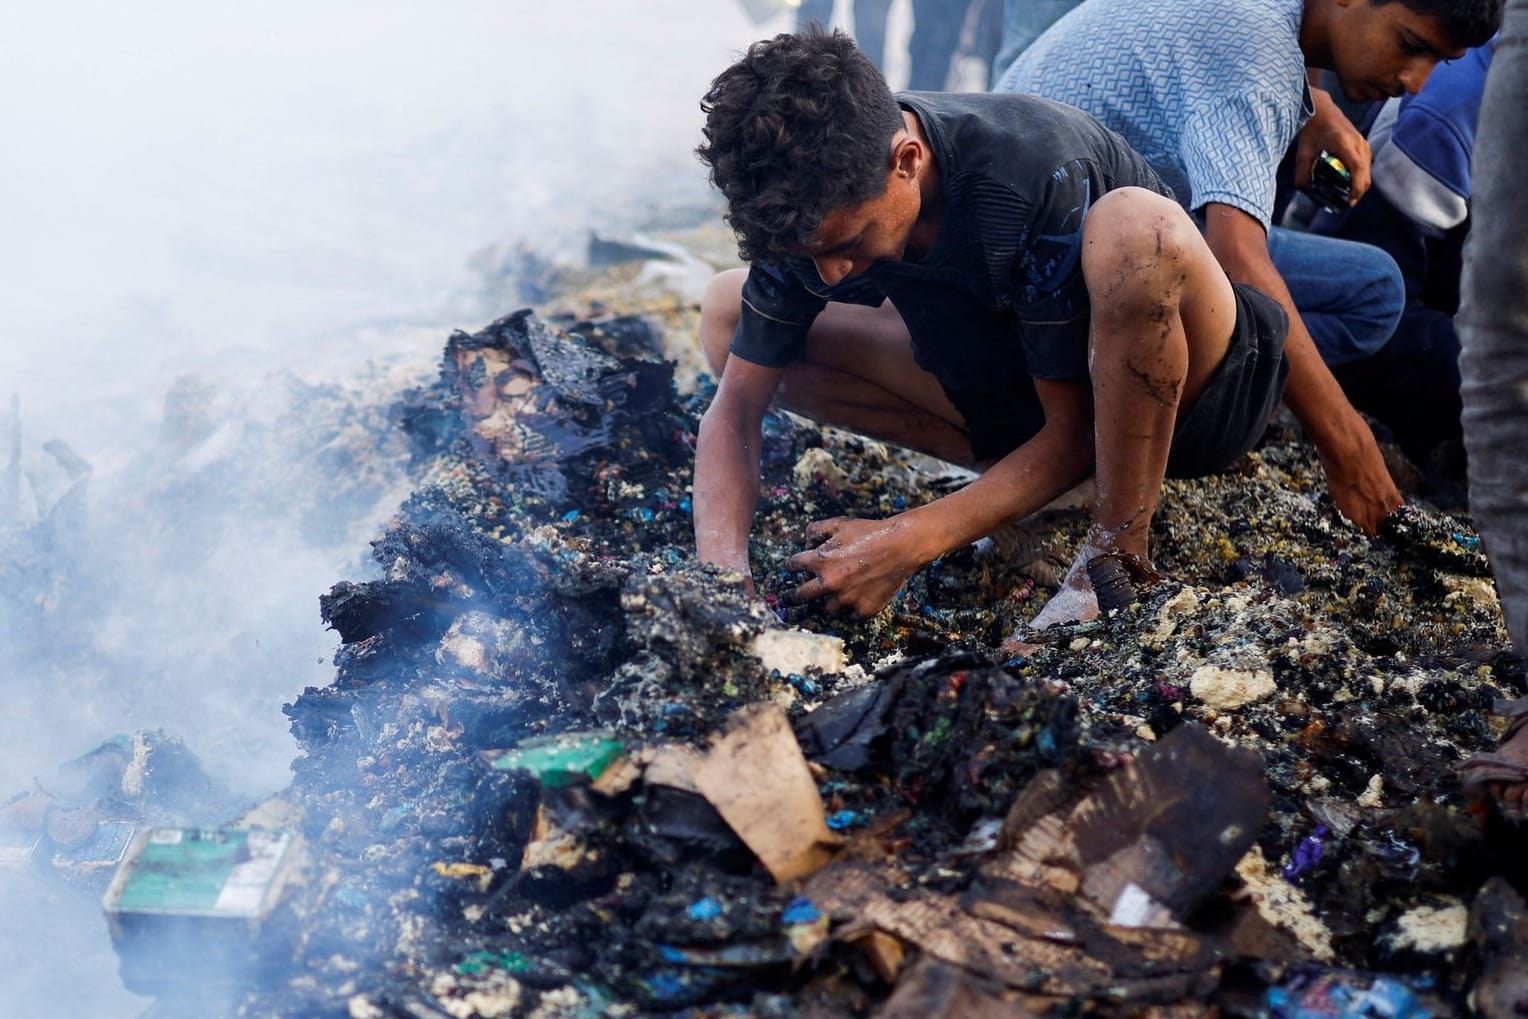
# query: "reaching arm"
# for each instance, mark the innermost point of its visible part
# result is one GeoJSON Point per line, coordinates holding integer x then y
{"type": "Point", "coordinates": [727, 464]}
{"type": "Point", "coordinates": [1356, 475]}
{"type": "Point", "coordinates": [860, 564]}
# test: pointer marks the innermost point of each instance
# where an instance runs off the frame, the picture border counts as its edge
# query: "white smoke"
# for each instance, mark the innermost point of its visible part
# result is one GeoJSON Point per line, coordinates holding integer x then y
{"type": "Point", "coordinates": [231, 233]}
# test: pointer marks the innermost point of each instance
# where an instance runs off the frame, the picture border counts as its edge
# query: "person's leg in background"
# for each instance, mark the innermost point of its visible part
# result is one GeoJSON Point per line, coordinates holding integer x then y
{"type": "Point", "coordinates": [936, 34]}
{"type": "Point", "coordinates": [818, 12]}
{"type": "Point", "coordinates": [988, 34]}
{"type": "Point", "coordinates": [1350, 295]}
{"type": "Point", "coordinates": [870, 29]}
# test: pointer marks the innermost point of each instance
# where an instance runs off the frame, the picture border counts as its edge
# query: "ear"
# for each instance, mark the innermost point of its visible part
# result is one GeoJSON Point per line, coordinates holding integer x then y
{"type": "Point", "coordinates": [907, 157]}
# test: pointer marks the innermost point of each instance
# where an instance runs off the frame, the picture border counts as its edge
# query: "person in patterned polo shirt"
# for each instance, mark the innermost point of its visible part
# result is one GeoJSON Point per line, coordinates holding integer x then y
{"type": "Point", "coordinates": [1212, 93]}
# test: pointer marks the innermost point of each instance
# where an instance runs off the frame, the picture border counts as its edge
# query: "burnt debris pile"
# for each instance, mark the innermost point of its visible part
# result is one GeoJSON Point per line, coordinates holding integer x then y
{"type": "Point", "coordinates": [565, 771]}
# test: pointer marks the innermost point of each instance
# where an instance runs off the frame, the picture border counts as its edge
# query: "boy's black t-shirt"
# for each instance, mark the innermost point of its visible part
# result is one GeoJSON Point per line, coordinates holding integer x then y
{"type": "Point", "coordinates": [999, 299]}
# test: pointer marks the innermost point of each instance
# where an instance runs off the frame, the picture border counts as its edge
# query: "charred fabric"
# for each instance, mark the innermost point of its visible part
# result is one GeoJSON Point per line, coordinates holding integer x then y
{"type": "Point", "coordinates": [565, 771]}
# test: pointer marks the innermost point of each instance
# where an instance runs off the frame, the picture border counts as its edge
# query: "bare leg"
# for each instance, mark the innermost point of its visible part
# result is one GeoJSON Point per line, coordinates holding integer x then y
{"type": "Point", "coordinates": [858, 373]}
{"type": "Point", "coordinates": [1162, 317]}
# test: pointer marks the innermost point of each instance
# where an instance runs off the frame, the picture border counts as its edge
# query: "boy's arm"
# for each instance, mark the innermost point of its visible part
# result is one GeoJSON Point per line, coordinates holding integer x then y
{"type": "Point", "coordinates": [860, 564]}
{"type": "Point", "coordinates": [727, 464]}
{"type": "Point", "coordinates": [1356, 475]}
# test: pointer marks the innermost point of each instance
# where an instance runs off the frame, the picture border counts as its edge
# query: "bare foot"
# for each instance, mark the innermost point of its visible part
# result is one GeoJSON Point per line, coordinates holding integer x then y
{"type": "Point", "coordinates": [1077, 601]}
{"type": "Point", "coordinates": [1074, 601]}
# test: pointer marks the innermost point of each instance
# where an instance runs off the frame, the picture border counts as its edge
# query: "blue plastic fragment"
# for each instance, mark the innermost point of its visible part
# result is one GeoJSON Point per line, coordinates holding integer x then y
{"type": "Point", "coordinates": [842, 819]}
{"type": "Point", "coordinates": [801, 910]}
{"type": "Point", "coordinates": [705, 909]}
{"type": "Point", "coordinates": [666, 987]}
{"type": "Point", "coordinates": [802, 683]}
{"type": "Point", "coordinates": [685, 505]}
{"type": "Point", "coordinates": [641, 514]}
{"type": "Point", "coordinates": [570, 516]}
{"type": "Point", "coordinates": [1469, 541]}
{"type": "Point", "coordinates": [671, 954]}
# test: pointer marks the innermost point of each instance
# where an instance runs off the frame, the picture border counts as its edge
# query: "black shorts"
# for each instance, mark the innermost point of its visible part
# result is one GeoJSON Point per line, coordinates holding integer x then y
{"type": "Point", "coordinates": [1225, 422]}
{"type": "Point", "coordinates": [1233, 411]}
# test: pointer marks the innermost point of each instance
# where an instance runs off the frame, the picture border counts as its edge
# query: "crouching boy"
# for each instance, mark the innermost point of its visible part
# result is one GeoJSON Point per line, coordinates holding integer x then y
{"type": "Point", "coordinates": [996, 280]}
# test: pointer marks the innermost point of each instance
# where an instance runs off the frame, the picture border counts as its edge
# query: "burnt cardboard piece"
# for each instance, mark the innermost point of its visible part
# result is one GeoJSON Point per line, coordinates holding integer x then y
{"type": "Point", "coordinates": [1153, 840]}
{"type": "Point", "coordinates": [757, 779]}
{"type": "Point", "coordinates": [1171, 824]}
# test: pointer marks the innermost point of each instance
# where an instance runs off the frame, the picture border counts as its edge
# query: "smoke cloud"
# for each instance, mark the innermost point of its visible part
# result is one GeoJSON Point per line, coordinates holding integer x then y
{"type": "Point", "coordinates": [232, 235]}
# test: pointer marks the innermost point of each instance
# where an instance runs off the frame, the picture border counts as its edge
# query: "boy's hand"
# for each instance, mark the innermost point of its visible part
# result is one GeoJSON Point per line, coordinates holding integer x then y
{"type": "Point", "coordinates": [1329, 129]}
{"type": "Point", "coordinates": [859, 565]}
{"type": "Point", "coordinates": [1360, 483]}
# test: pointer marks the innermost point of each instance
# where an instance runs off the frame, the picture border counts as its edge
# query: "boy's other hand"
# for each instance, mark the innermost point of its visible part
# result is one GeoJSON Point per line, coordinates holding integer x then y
{"type": "Point", "coordinates": [857, 565]}
{"type": "Point", "coordinates": [1360, 484]}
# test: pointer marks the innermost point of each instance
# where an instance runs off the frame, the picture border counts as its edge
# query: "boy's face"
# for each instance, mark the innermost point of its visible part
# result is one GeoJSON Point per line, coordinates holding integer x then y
{"type": "Point", "coordinates": [1384, 50]}
{"type": "Point", "coordinates": [852, 238]}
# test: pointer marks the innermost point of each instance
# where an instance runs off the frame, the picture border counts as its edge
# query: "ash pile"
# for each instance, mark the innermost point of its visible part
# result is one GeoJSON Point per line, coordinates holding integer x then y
{"type": "Point", "coordinates": [565, 771]}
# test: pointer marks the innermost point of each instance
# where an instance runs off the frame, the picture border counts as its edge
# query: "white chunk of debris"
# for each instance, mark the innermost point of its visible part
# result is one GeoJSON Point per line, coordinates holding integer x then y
{"type": "Point", "coordinates": [1227, 689]}
{"type": "Point", "coordinates": [359, 1007]}
{"type": "Point", "coordinates": [479, 641]}
{"type": "Point", "coordinates": [818, 462]}
{"type": "Point", "coordinates": [1477, 593]}
{"type": "Point", "coordinates": [560, 1001]}
{"type": "Point", "coordinates": [1433, 927]}
{"type": "Point", "coordinates": [488, 1004]}
{"type": "Point", "coordinates": [1180, 605]}
{"type": "Point", "coordinates": [798, 651]}
{"type": "Point", "coordinates": [1136, 908]}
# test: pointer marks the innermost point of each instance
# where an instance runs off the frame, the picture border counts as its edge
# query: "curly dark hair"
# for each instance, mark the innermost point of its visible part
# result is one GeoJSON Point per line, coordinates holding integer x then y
{"type": "Point", "coordinates": [800, 126]}
{"type": "Point", "coordinates": [1469, 23]}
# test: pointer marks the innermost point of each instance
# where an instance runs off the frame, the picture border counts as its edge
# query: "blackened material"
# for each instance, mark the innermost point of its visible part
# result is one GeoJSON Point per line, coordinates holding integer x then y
{"type": "Point", "coordinates": [1158, 825]}
{"type": "Point", "coordinates": [839, 734]}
